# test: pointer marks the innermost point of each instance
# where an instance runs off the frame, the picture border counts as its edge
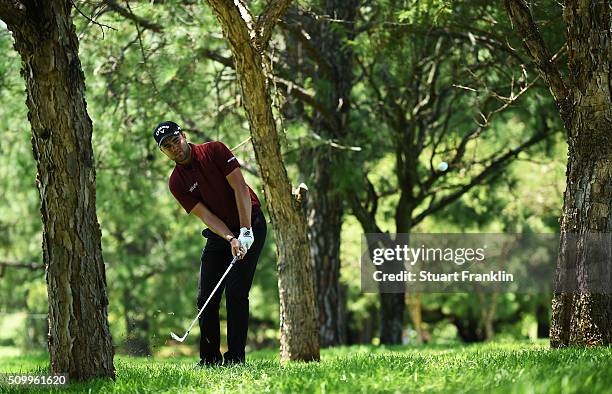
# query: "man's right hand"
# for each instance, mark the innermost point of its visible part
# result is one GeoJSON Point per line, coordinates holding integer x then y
{"type": "Point", "coordinates": [237, 250]}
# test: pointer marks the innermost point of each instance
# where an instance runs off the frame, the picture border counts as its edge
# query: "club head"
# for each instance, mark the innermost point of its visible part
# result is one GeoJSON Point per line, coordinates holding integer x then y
{"type": "Point", "coordinates": [177, 338]}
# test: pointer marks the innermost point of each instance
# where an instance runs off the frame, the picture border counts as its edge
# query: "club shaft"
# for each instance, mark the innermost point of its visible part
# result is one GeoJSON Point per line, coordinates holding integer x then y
{"type": "Point", "coordinates": [211, 294]}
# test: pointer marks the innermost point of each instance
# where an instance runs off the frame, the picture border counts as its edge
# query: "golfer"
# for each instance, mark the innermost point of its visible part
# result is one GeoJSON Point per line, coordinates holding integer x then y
{"type": "Point", "coordinates": [207, 183]}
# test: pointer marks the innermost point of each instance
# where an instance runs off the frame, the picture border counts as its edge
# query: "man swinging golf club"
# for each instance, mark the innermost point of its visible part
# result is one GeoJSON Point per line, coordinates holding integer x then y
{"type": "Point", "coordinates": [208, 183]}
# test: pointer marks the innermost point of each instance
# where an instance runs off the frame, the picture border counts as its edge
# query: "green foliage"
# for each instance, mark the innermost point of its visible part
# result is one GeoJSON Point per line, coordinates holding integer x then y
{"type": "Point", "coordinates": [429, 12]}
{"type": "Point", "coordinates": [152, 248]}
{"type": "Point", "coordinates": [19, 225]}
{"type": "Point", "coordinates": [23, 296]}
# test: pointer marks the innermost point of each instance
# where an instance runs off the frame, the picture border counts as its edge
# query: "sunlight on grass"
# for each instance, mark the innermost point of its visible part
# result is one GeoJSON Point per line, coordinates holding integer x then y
{"type": "Point", "coordinates": [494, 367]}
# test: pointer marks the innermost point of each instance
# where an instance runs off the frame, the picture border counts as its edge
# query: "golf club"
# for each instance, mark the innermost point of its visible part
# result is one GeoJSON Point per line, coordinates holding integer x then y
{"type": "Point", "coordinates": [181, 339]}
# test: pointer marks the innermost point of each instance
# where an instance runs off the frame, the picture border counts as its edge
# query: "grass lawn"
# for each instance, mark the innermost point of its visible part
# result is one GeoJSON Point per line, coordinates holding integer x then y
{"type": "Point", "coordinates": [496, 367]}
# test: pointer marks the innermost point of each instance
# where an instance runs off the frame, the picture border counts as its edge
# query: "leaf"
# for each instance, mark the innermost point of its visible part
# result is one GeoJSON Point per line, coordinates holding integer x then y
{"type": "Point", "coordinates": [168, 73]}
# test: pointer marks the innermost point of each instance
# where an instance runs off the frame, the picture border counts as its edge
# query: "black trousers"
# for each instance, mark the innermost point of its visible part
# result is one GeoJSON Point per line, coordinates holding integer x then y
{"type": "Point", "coordinates": [216, 257]}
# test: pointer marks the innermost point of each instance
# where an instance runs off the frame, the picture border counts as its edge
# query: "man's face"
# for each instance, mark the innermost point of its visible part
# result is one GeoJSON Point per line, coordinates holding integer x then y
{"type": "Point", "coordinates": [176, 148]}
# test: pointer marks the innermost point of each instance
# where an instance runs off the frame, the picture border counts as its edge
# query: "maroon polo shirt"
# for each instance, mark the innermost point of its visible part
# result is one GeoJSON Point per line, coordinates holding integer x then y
{"type": "Point", "coordinates": [203, 180]}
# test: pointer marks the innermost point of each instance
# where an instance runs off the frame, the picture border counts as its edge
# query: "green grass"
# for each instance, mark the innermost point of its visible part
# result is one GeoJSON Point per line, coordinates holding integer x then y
{"type": "Point", "coordinates": [497, 367]}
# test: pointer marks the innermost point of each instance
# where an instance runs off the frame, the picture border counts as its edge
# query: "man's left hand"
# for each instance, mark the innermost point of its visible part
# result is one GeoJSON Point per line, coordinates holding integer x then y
{"type": "Point", "coordinates": [246, 238]}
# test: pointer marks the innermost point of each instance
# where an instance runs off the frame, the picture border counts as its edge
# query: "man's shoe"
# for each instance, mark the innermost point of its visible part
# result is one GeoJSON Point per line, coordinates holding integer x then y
{"type": "Point", "coordinates": [208, 364]}
{"type": "Point", "coordinates": [230, 359]}
{"type": "Point", "coordinates": [228, 362]}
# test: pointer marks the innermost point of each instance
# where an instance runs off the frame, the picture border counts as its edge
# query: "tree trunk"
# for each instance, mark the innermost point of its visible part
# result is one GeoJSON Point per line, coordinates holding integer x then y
{"type": "Point", "coordinates": [299, 328]}
{"type": "Point", "coordinates": [468, 328]}
{"type": "Point", "coordinates": [324, 225]}
{"type": "Point", "coordinates": [79, 337]}
{"type": "Point", "coordinates": [487, 314]}
{"type": "Point", "coordinates": [392, 318]}
{"type": "Point", "coordinates": [325, 213]}
{"type": "Point", "coordinates": [392, 305]}
{"type": "Point", "coordinates": [585, 318]}
{"type": "Point", "coordinates": [416, 315]}
{"type": "Point", "coordinates": [582, 306]}
{"type": "Point", "coordinates": [330, 65]}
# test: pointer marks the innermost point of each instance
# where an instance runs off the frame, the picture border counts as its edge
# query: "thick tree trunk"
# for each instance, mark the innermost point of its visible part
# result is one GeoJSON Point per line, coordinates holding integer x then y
{"type": "Point", "coordinates": [580, 315]}
{"type": "Point", "coordinates": [582, 308]}
{"type": "Point", "coordinates": [330, 65]}
{"type": "Point", "coordinates": [299, 328]}
{"type": "Point", "coordinates": [79, 338]}
{"type": "Point", "coordinates": [585, 317]}
{"type": "Point", "coordinates": [326, 205]}
{"type": "Point", "coordinates": [324, 225]}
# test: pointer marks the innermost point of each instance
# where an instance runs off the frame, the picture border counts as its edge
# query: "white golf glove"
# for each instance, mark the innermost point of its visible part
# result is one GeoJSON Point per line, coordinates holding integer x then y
{"type": "Point", "coordinates": [246, 238]}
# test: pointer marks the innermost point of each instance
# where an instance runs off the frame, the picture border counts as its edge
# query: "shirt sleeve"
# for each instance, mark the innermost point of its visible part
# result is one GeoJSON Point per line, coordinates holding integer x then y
{"type": "Point", "coordinates": [223, 158]}
{"type": "Point", "coordinates": [186, 200]}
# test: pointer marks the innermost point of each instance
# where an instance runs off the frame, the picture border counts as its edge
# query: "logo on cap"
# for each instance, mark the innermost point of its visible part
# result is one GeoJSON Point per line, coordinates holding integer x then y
{"type": "Point", "coordinates": [165, 129]}
{"type": "Point", "coordinates": [161, 130]}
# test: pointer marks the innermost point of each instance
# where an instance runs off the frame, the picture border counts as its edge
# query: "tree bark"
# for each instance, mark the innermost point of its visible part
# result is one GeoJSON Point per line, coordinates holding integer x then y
{"type": "Point", "coordinates": [392, 305]}
{"type": "Point", "coordinates": [248, 41]}
{"type": "Point", "coordinates": [392, 318]}
{"type": "Point", "coordinates": [581, 311]}
{"type": "Point", "coordinates": [79, 337]}
{"type": "Point", "coordinates": [324, 225]}
{"type": "Point", "coordinates": [322, 164]}
{"type": "Point", "coordinates": [326, 210]}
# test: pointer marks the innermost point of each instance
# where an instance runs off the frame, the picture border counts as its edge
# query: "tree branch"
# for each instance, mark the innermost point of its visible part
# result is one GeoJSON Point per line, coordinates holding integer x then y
{"type": "Point", "coordinates": [461, 148]}
{"type": "Point", "coordinates": [313, 53]}
{"type": "Point", "coordinates": [496, 164]}
{"type": "Point", "coordinates": [363, 215]}
{"type": "Point", "coordinates": [290, 87]}
{"type": "Point", "coordinates": [126, 13]}
{"type": "Point", "coordinates": [486, 38]}
{"type": "Point", "coordinates": [236, 21]}
{"type": "Point", "coordinates": [212, 55]}
{"type": "Point", "coordinates": [267, 20]}
{"type": "Point", "coordinates": [92, 20]}
{"type": "Point", "coordinates": [29, 266]}
{"type": "Point", "coordinates": [301, 94]}
{"type": "Point", "coordinates": [523, 23]}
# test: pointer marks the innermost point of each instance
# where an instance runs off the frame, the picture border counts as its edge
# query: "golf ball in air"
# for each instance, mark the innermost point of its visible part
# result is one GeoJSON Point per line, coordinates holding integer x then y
{"type": "Point", "coordinates": [443, 166]}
